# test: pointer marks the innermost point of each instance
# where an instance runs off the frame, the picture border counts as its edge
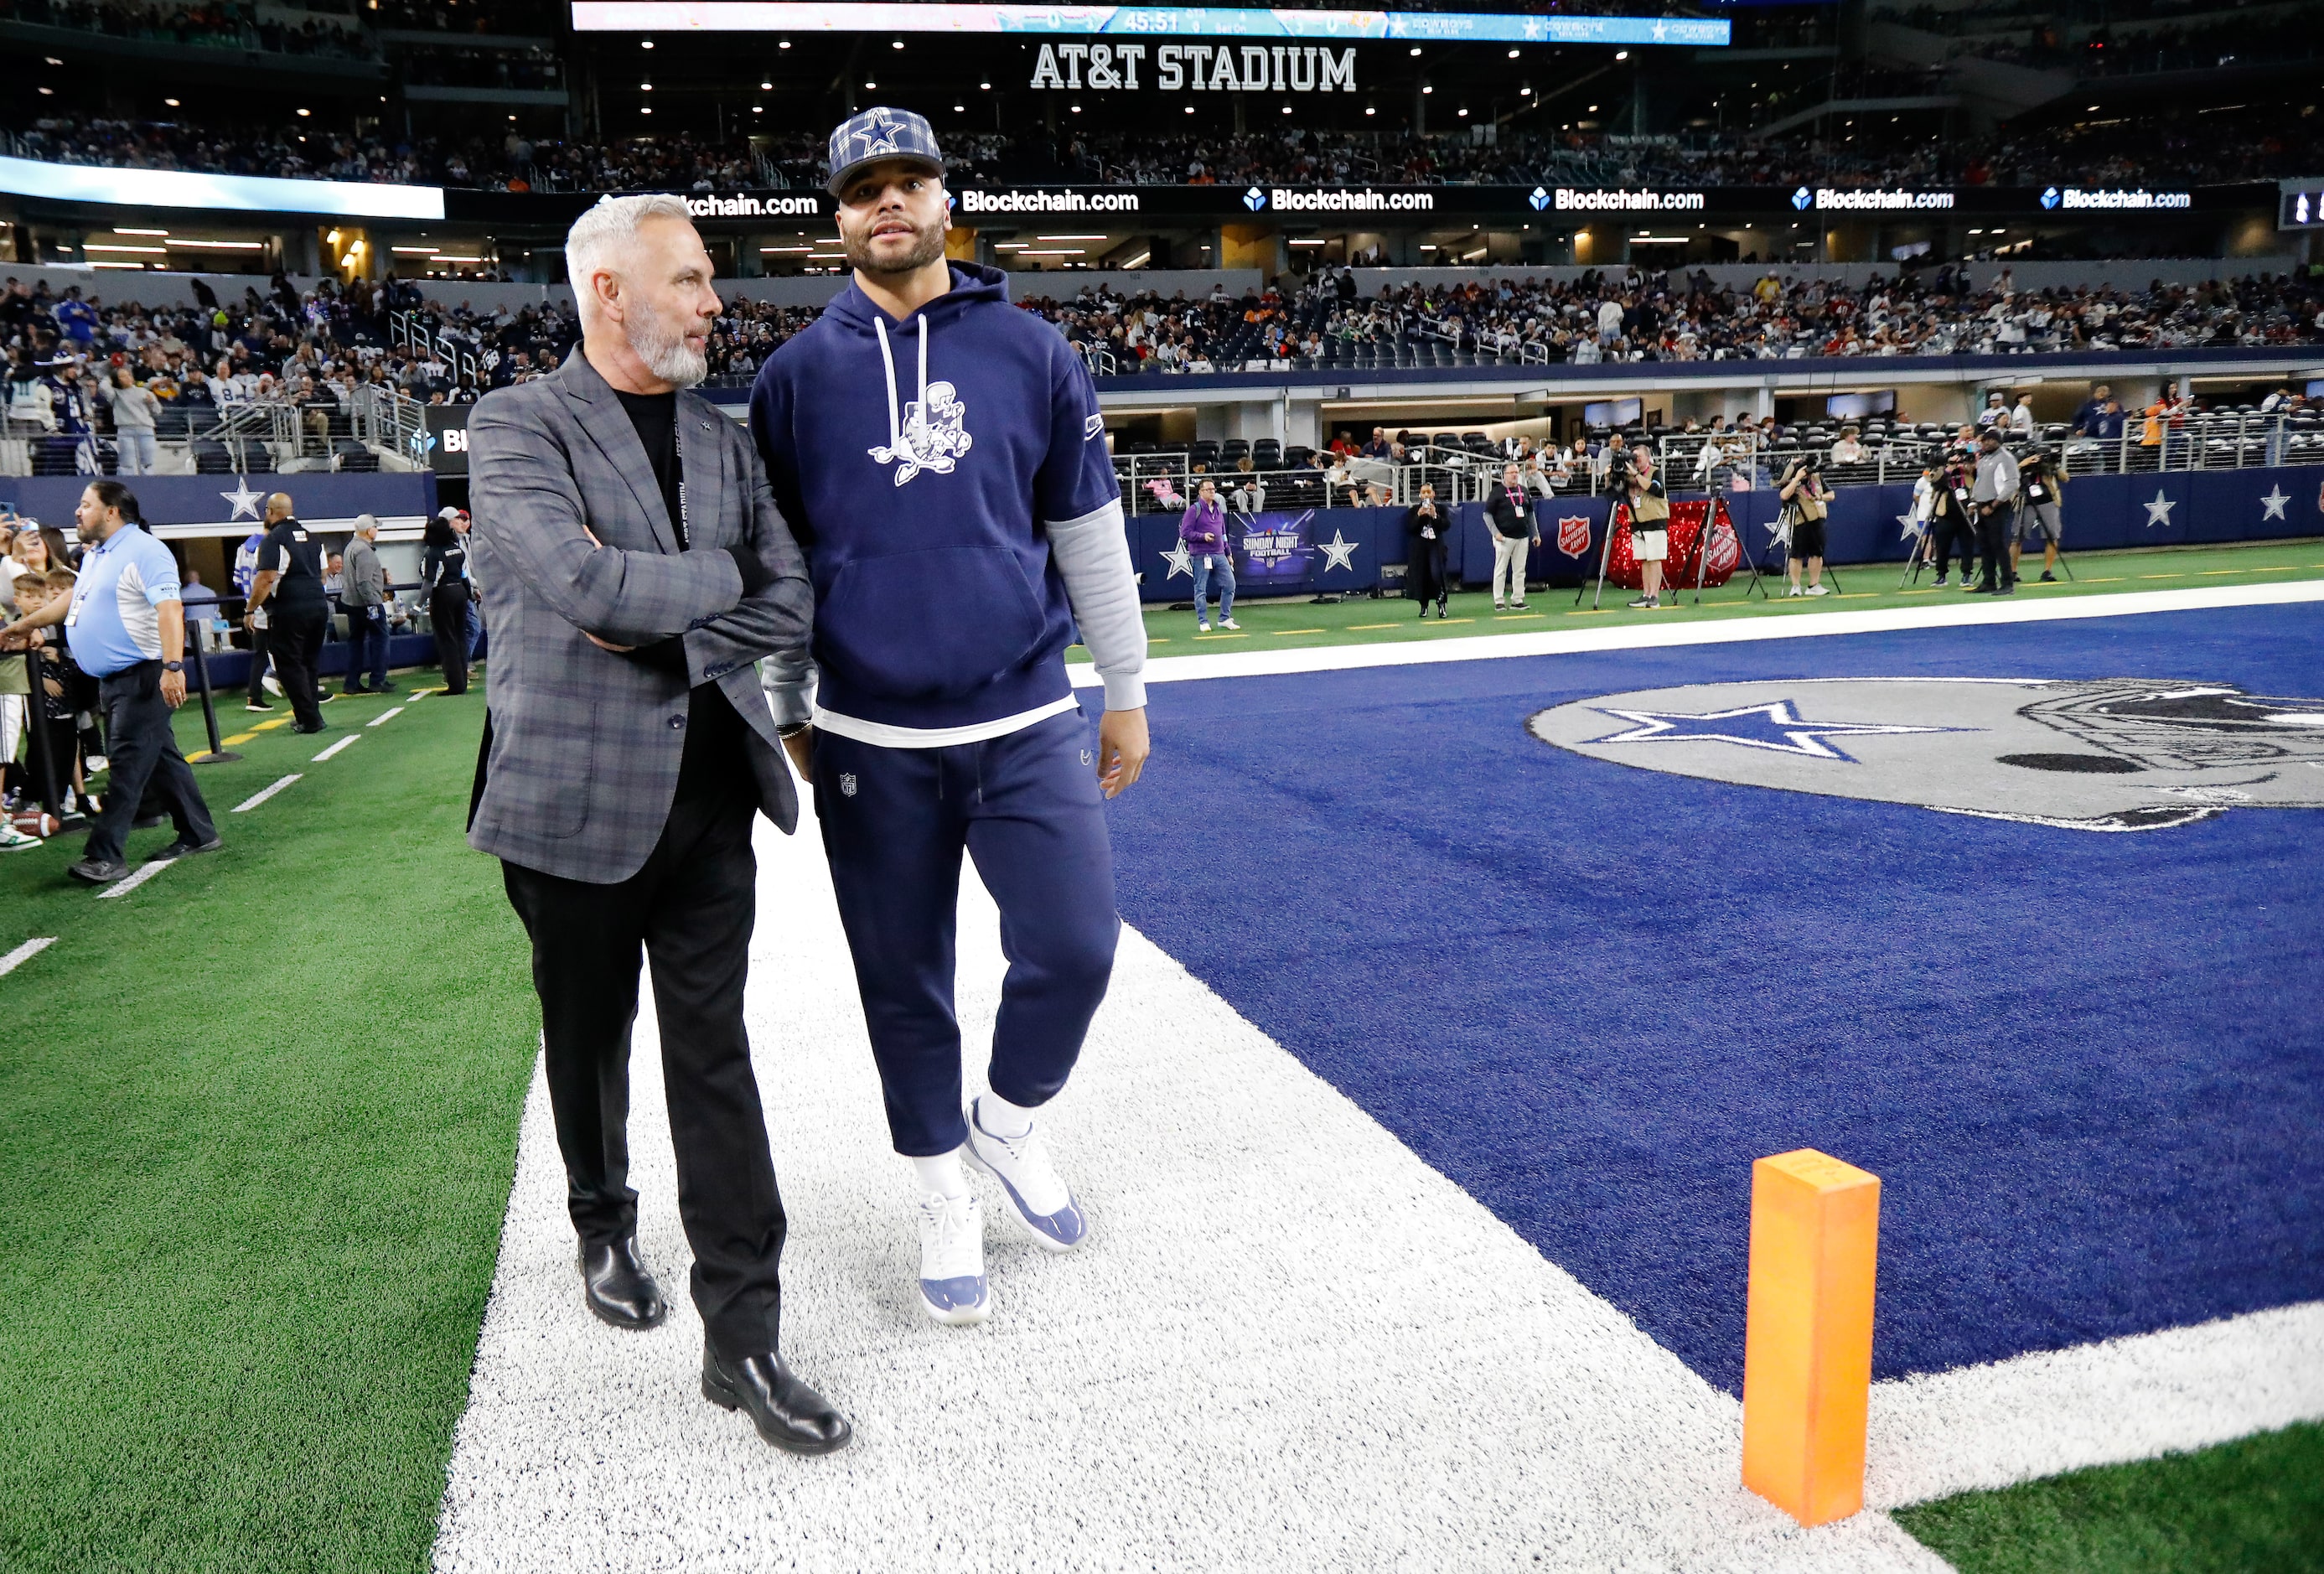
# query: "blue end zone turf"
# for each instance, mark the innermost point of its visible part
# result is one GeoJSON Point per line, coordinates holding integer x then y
{"type": "Point", "coordinates": [2088, 1068]}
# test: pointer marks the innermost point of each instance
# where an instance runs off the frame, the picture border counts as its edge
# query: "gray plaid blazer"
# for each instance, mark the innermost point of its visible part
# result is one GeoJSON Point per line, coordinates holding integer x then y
{"type": "Point", "coordinates": [581, 765]}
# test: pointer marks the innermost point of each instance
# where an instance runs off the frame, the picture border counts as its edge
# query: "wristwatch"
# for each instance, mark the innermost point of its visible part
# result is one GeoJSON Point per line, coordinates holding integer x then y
{"type": "Point", "coordinates": [173, 667]}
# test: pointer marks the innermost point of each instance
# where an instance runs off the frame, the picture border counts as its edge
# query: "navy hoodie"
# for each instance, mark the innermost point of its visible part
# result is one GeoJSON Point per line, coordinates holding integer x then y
{"type": "Point", "coordinates": [921, 483]}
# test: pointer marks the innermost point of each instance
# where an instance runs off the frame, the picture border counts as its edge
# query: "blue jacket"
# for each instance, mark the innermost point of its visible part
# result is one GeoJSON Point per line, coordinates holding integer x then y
{"type": "Point", "coordinates": [919, 465]}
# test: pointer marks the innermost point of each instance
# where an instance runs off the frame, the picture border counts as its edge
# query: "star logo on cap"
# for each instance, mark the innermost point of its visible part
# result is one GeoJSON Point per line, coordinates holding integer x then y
{"type": "Point", "coordinates": [244, 500]}
{"type": "Point", "coordinates": [879, 134]}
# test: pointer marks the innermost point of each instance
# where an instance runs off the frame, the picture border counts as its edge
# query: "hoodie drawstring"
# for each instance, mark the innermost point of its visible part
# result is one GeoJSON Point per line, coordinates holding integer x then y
{"type": "Point", "coordinates": [888, 365]}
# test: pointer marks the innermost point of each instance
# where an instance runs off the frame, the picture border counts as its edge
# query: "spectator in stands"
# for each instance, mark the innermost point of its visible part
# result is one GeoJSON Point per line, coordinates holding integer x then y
{"type": "Point", "coordinates": [1992, 498]}
{"type": "Point", "coordinates": [1805, 504]}
{"type": "Point", "coordinates": [1516, 530]}
{"type": "Point", "coordinates": [1848, 449]}
{"type": "Point", "coordinates": [1428, 532]}
{"type": "Point", "coordinates": [134, 411]}
{"type": "Point", "coordinates": [1249, 496]}
{"type": "Point", "coordinates": [444, 581]}
{"type": "Point", "coordinates": [2086, 416]}
{"type": "Point", "coordinates": [363, 592]}
{"type": "Point", "coordinates": [2021, 416]}
{"type": "Point", "coordinates": [1203, 532]}
{"type": "Point", "coordinates": [288, 601]}
{"type": "Point", "coordinates": [201, 603]}
{"type": "Point", "coordinates": [124, 616]}
{"type": "Point", "coordinates": [1995, 416]}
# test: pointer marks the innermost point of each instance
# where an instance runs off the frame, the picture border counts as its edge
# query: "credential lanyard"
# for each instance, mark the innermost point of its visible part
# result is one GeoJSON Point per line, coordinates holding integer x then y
{"type": "Point", "coordinates": [677, 457]}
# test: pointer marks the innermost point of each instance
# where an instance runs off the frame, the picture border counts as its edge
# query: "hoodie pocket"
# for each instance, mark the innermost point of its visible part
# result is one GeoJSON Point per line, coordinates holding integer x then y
{"type": "Point", "coordinates": [930, 625]}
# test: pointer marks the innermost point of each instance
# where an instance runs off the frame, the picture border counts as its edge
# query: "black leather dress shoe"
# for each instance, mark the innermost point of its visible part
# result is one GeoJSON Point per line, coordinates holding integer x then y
{"type": "Point", "coordinates": [788, 1412]}
{"type": "Point", "coordinates": [96, 871]}
{"type": "Point", "coordinates": [618, 1287]}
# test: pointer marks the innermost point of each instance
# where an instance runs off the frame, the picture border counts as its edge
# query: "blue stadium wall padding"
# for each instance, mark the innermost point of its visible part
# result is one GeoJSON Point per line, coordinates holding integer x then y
{"type": "Point", "coordinates": [231, 668]}
{"type": "Point", "coordinates": [1375, 533]}
{"type": "Point", "coordinates": [200, 500]}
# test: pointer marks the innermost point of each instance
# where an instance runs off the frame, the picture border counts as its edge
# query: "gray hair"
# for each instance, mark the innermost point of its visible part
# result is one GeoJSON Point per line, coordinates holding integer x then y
{"type": "Point", "coordinates": [599, 236]}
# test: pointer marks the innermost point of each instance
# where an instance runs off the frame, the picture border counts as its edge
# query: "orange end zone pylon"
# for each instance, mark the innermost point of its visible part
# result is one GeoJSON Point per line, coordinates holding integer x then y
{"type": "Point", "coordinates": [1807, 1347]}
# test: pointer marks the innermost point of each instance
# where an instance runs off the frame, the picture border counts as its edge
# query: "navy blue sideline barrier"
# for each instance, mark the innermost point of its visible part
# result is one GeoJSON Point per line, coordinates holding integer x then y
{"type": "Point", "coordinates": [230, 669]}
{"type": "Point", "coordinates": [318, 496]}
{"type": "Point", "coordinates": [2102, 513]}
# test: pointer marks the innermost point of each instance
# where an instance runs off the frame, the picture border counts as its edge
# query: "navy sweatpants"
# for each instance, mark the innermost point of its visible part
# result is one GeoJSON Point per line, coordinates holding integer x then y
{"type": "Point", "coordinates": [895, 821]}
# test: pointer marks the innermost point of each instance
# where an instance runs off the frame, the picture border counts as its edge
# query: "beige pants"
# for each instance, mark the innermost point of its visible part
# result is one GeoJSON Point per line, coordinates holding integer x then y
{"type": "Point", "coordinates": [1509, 562]}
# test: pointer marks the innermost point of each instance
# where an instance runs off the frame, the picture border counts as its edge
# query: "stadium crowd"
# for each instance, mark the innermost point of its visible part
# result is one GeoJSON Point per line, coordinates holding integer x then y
{"type": "Point", "coordinates": [2247, 145]}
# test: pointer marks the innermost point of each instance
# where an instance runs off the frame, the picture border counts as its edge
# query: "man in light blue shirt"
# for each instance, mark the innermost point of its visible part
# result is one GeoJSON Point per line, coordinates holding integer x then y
{"type": "Point", "coordinates": [125, 626]}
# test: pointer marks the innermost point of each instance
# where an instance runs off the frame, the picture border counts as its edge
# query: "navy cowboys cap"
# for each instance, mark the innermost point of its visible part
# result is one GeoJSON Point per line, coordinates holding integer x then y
{"type": "Point", "coordinates": [881, 133]}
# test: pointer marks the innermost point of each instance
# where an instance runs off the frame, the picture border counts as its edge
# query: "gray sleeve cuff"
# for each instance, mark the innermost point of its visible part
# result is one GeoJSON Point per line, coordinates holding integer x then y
{"type": "Point", "coordinates": [1092, 556]}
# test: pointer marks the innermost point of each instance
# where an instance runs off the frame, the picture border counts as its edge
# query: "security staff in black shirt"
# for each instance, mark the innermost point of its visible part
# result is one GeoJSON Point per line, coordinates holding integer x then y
{"type": "Point", "coordinates": [287, 600]}
{"type": "Point", "coordinates": [444, 577]}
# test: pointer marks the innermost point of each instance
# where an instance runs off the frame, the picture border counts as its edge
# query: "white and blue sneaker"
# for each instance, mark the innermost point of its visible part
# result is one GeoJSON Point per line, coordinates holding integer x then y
{"type": "Point", "coordinates": [1040, 1194]}
{"type": "Point", "coordinates": [953, 1289]}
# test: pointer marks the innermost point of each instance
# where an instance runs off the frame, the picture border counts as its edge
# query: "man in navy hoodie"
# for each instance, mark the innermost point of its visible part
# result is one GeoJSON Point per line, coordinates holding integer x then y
{"type": "Point", "coordinates": [940, 457]}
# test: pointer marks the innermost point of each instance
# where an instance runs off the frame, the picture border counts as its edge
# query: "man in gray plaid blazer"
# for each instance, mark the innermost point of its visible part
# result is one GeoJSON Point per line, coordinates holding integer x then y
{"type": "Point", "coordinates": [634, 569]}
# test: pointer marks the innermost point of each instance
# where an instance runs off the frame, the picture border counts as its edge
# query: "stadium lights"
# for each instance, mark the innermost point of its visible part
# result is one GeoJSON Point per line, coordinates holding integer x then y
{"type": "Point", "coordinates": [1428, 87]}
{"type": "Point", "coordinates": [413, 251]}
{"type": "Point", "coordinates": [869, 83]}
{"type": "Point", "coordinates": [790, 250]}
{"type": "Point", "coordinates": [1310, 242]}
{"type": "Point", "coordinates": [987, 86]}
{"type": "Point", "coordinates": [170, 102]}
{"type": "Point", "coordinates": [1368, 109]}
{"type": "Point", "coordinates": [1287, 109]}
{"type": "Point", "coordinates": [1076, 108]}
{"type": "Point", "coordinates": [52, 60]}
{"type": "Point", "coordinates": [1621, 54]}
{"type": "Point", "coordinates": [1190, 109]}
{"type": "Point", "coordinates": [1513, 54]}
{"type": "Point", "coordinates": [785, 44]}
{"type": "Point", "coordinates": [303, 113]}
{"type": "Point", "coordinates": [645, 109]}
{"type": "Point", "coordinates": [645, 44]}
{"type": "Point", "coordinates": [647, 87]}
{"type": "Point", "coordinates": [139, 266]}
{"type": "Point", "coordinates": [896, 45]}
{"type": "Point", "coordinates": [123, 229]}
{"type": "Point", "coordinates": [758, 109]}
{"type": "Point", "coordinates": [960, 109]}
{"type": "Point", "coordinates": [1416, 51]}
{"type": "Point", "coordinates": [332, 239]}
{"type": "Point", "coordinates": [1053, 252]}
{"type": "Point", "coordinates": [48, 92]}
{"type": "Point", "coordinates": [1069, 237]}
{"type": "Point", "coordinates": [102, 246]}
{"type": "Point", "coordinates": [224, 246]}
{"type": "Point", "coordinates": [1007, 245]}
{"type": "Point", "coordinates": [1464, 112]}
{"type": "Point", "coordinates": [440, 257]}
{"type": "Point", "coordinates": [1139, 261]}
{"type": "Point", "coordinates": [766, 86]}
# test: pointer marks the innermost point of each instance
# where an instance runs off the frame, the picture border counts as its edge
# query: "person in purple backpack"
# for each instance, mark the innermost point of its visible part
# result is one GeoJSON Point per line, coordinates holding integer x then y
{"type": "Point", "coordinates": [1203, 534]}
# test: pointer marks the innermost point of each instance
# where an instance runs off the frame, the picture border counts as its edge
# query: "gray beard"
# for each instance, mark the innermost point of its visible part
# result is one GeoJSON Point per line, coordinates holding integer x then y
{"type": "Point", "coordinates": [664, 350]}
{"type": "Point", "coordinates": [929, 246]}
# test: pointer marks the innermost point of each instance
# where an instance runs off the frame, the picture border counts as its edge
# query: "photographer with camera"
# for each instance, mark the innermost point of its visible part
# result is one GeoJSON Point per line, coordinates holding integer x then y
{"type": "Point", "coordinates": [1649, 527]}
{"type": "Point", "coordinates": [2042, 502]}
{"type": "Point", "coordinates": [1806, 503]}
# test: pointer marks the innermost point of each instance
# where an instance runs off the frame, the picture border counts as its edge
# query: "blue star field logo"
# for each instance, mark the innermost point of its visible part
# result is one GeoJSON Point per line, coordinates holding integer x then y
{"type": "Point", "coordinates": [1801, 197]}
{"type": "Point", "coordinates": [1776, 727]}
{"type": "Point", "coordinates": [1540, 199]}
{"type": "Point", "coordinates": [2049, 196]}
{"type": "Point", "coordinates": [1254, 199]}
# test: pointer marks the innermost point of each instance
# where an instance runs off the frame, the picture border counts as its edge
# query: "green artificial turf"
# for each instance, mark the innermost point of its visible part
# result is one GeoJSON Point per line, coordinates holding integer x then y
{"type": "Point", "coordinates": [258, 1123]}
{"type": "Point", "coordinates": [1291, 623]}
{"type": "Point", "coordinates": [2243, 1508]}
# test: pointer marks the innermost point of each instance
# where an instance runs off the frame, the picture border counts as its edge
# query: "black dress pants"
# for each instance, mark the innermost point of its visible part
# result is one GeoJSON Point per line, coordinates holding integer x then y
{"type": "Point", "coordinates": [295, 641]}
{"type": "Point", "coordinates": [690, 908]}
{"type": "Point", "coordinates": [448, 614]}
{"type": "Point", "coordinates": [142, 750]}
{"type": "Point", "coordinates": [1993, 547]}
{"type": "Point", "coordinates": [258, 666]}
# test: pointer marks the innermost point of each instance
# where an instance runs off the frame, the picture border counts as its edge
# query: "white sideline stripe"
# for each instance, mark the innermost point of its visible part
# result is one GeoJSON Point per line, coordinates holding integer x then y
{"type": "Point", "coordinates": [386, 715]}
{"type": "Point", "coordinates": [334, 748]}
{"type": "Point", "coordinates": [1643, 636]}
{"type": "Point", "coordinates": [1977, 1428]}
{"type": "Point", "coordinates": [418, 694]}
{"type": "Point", "coordinates": [24, 953]}
{"type": "Point", "coordinates": [1201, 1365]}
{"type": "Point", "coordinates": [261, 795]}
{"type": "Point", "coordinates": [145, 871]}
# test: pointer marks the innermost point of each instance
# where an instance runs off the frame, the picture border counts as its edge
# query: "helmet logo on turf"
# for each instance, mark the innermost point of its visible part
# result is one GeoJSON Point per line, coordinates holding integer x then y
{"type": "Point", "coordinates": [2111, 754]}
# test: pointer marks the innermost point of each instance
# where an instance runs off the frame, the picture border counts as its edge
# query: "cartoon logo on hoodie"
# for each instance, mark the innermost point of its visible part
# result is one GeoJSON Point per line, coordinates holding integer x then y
{"type": "Point", "coordinates": [931, 436]}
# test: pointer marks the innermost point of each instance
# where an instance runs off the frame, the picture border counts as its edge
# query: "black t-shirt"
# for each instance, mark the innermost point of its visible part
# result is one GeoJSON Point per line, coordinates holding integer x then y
{"type": "Point", "coordinates": [713, 761]}
{"type": "Point", "coordinates": [288, 551]}
{"type": "Point", "coordinates": [655, 417]}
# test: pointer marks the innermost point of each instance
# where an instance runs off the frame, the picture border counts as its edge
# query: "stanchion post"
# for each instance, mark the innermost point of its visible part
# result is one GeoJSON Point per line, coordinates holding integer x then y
{"type": "Point", "coordinates": [218, 754]}
{"type": "Point", "coordinates": [1807, 1344]}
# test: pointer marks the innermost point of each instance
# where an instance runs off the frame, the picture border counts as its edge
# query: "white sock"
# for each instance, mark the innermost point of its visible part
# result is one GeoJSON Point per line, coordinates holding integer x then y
{"type": "Point", "coordinates": [998, 1116]}
{"type": "Point", "coordinates": [941, 1175]}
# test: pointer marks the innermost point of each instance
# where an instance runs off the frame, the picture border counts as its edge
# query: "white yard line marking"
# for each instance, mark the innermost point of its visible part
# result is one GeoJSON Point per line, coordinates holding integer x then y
{"type": "Point", "coordinates": [335, 747]}
{"type": "Point", "coordinates": [1646, 636]}
{"type": "Point", "coordinates": [1203, 1345]}
{"type": "Point", "coordinates": [122, 888]}
{"type": "Point", "coordinates": [418, 694]}
{"type": "Point", "coordinates": [1982, 1427]}
{"type": "Point", "coordinates": [385, 716]}
{"type": "Point", "coordinates": [264, 794]}
{"type": "Point", "coordinates": [24, 953]}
